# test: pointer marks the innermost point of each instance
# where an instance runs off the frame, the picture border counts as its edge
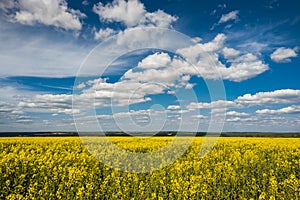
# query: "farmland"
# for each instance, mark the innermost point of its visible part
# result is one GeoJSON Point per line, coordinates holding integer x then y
{"type": "Point", "coordinates": [237, 168]}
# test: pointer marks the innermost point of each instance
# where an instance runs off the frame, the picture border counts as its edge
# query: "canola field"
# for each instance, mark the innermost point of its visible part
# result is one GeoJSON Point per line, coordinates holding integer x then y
{"type": "Point", "coordinates": [236, 168]}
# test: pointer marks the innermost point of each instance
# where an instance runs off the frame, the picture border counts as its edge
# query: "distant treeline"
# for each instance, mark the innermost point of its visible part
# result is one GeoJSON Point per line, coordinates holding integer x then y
{"type": "Point", "coordinates": [163, 133]}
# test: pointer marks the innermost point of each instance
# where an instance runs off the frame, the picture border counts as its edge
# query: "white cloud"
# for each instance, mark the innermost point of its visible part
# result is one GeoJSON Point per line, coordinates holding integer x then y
{"type": "Point", "coordinates": [103, 33]}
{"type": "Point", "coordinates": [286, 110]}
{"type": "Point", "coordinates": [137, 37]}
{"type": "Point", "coordinates": [60, 103]}
{"type": "Point", "coordinates": [283, 54]}
{"type": "Point", "coordinates": [48, 12]}
{"type": "Point", "coordinates": [205, 57]}
{"type": "Point", "coordinates": [129, 12]}
{"type": "Point", "coordinates": [10, 113]}
{"type": "Point", "coordinates": [155, 74]}
{"type": "Point", "coordinates": [283, 96]}
{"type": "Point", "coordinates": [106, 117]}
{"type": "Point", "coordinates": [171, 92]}
{"type": "Point", "coordinates": [216, 44]}
{"type": "Point", "coordinates": [173, 107]}
{"type": "Point", "coordinates": [230, 52]}
{"type": "Point", "coordinates": [199, 116]}
{"type": "Point", "coordinates": [193, 52]}
{"type": "Point", "coordinates": [31, 53]}
{"type": "Point", "coordinates": [239, 119]}
{"type": "Point", "coordinates": [196, 39]}
{"type": "Point", "coordinates": [243, 68]}
{"type": "Point", "coordinates": [24, 120]}
{"type": "Point", "coordinates": [238, 114]}
{"type": "Point", "coordinates": [214, 105]}
{"type": "Point", "coordinates": [166, 76]}
{"type": "Point", "coordinates": [159, 19]}
{"type": "Point", "coordinates": [26, 51]}
{"type": "Point", "coordinates": [155, 61]}
{"type": "Point", "coordinates": [233, 15]}
{"type": "Point", "coordinates": [117, 93]}
{"type": "Point", "coordinates": [80, 86]}
{"type": "Point", "coordinates": [159, 69]}
{"type": "Point", "coordinates": [134, 112]}
{"type": "Point", "coordinates": [132, 13]}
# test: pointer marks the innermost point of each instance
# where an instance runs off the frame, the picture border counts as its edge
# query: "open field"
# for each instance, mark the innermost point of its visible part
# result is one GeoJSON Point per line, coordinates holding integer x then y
{"type": "Point", "coordinates": [237, 168]}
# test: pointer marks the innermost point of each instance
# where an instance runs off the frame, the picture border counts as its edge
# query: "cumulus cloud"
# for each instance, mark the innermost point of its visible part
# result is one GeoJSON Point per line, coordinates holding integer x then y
{"type": "Point", "coordinates": [193, 52]}
{"type": "Point", "coordinates": [286, 110]}
{"type": "Point", "coordinates": [206, 56]}
{"type": "Point", "coordinates": [199, 116]}
{"type": "Point", "coordinates": [238, 114]}
{"type": "Point", "coordinates": [103, 33]}
{"type": "Point", "coordinates": [48, 12]}
{"type": "Point", "coordinates": [159, 19]}
{"type": "Point", "coordinates": [239, 119]}
{"type": "Point", "coordinates": [161, 69]}
{"type": "Point", "coordinates": [283, 96]}
{"type": "Point", "coordinates": [243, 68]}
{"type": "Point", "coordinates": [214, 105]}
{"type": "Point", "coordinates": [141, 113]}
{"type": "Point", "coordinates": [173, 107]}
{"type": "Point", "coordinates": [128, 12]}
{"type": "Point", "coordinates": [62, 103]}
{"type": "Point", "coordinates": [283, 54]}
{"type": "Point", "coordinates": [132, 13]}
{"type": "Point", "coordinates": [155, 61]}
{"type": "Point", "coordinates": [230, 52]}
{"type": "Point", "coordinates": [156, 70]}
{"type": "Point", "coordinates": [196, 39]}
{"type": "Point", "coordinates": [155, 74]}
{"type": "Point", "coordinates": [117, 93]}
{"type": "Point", "coordinates": [233, 15]}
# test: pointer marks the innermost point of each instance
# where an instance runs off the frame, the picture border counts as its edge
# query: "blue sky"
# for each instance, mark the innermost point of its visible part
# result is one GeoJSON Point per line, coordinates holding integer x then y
{"type": "Point", "coordinates": [149, 65]}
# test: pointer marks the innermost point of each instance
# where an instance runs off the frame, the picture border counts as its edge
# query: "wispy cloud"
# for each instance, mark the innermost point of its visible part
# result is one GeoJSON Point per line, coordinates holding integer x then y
{"type": "Point", "coordinates": [233, 15]}
{"type": "Point", "coordinates": [26, 52]}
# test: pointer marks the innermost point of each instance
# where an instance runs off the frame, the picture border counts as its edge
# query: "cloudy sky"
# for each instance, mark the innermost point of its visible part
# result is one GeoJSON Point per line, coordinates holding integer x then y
{"type": "Point", "coordinates": [149, 65]}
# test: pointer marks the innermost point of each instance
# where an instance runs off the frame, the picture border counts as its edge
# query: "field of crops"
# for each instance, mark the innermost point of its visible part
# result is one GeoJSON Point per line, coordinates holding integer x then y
{"type": "Point", "coordinates": [237, 168]}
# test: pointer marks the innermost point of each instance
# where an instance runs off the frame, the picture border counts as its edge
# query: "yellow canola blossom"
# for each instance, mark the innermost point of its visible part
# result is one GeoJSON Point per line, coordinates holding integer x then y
{"type": "Point", "coordinates": [236, 168]}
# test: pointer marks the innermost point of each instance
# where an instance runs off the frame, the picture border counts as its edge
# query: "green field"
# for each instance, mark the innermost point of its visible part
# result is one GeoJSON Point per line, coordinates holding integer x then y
{"type": "Point", "coordinates": [237, 168]}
